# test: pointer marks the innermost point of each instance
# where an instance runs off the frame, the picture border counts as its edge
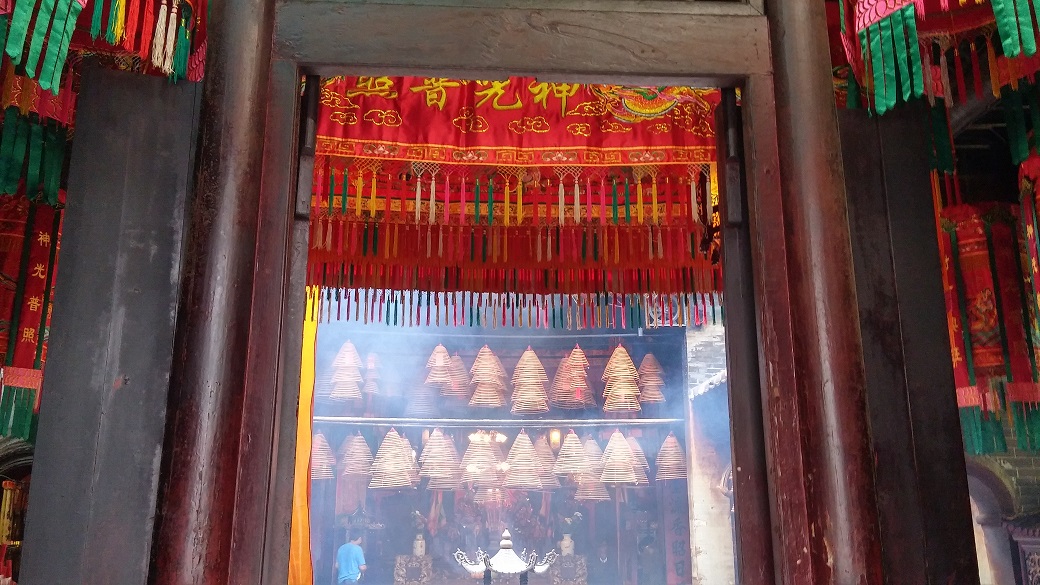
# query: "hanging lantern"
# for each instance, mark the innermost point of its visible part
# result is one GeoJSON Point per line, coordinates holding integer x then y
{"type": "Point", "coordinates": [322, 460]}
{"type": "Point", "coordinates": [671, 460]}
{"type": "Point", "coordinates": [529, 381]}
{"type": "Point", "coordinates": [651, 380]}
{"type": "Point", "coordinates": [993, 357]}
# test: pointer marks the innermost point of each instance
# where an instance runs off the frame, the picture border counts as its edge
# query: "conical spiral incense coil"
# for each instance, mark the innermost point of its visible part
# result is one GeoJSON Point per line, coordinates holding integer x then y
{"type": "Point", "coordinates": [438, 364]}
{"type": "Point", "coordinates": [489, 495]}
{"type": "Point", "coordinates": [393, 467]}
{"type": "Point", "coordinates": [639, 463]}
{"type": "Point", "coordinates": [671, 460]}
{"type": "Point", "coordinates": [570, 387]}
{"type": "Point", "coordinates": [346, 374]}
{"type": "Point", "coordinates": [371, 374]}
{"type": "Point", "coordinates": [458, 375]}
{"type": "Point", "coordinates": [355, 456]}
{"type": "Point", "coordinates": [422, 403]}
{"type": "Point", "coordinates": [322, 459]}
{"type": "Point", "coordinates": [522, 465]}
{"type": "Point", "coordinates": [482, 462]}
{"type": "Point", "coordinates": [323, 387]}
{"type": "Point", "coordinates": [440, 462]}
{"type": "Point", "coordinates": [593, 456]}
{"type": "Point", "coordinates": [529, 381]}
{"type": "Point", "coordinates": [591, 489]}
{"type": "Point", "coordinates": [488, 379]}
{"type": "Point", "coordinates": [618, 462]}
{"type": "Point", "coordinates": [621, 393]}
{"type": "Point", "coordinates": [571, 459]}
{"type": "Point", "coordinates": [546, 462]}
{"type": "Point", "coordinates": [651, 380]}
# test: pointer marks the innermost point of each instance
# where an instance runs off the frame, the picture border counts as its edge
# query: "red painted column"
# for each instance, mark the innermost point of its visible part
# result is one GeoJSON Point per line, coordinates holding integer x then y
{"type": "Point", "coordinates": [204, 418]}
{"type": "Point", "coordinates": [843, 535]}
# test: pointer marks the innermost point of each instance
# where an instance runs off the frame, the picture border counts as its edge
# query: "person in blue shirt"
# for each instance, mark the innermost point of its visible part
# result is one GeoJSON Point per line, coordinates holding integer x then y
{"type": "Point", "coordinates": [350, 561]}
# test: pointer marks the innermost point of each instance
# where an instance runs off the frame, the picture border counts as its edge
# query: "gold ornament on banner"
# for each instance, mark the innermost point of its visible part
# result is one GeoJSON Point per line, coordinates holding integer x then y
{"type": "Point", "coordinates": [671, 460]}
{"type": "Point", "coordinates": [323, 461]}
{"type": "Point", "coordinates": [651, 380]}
{"type": "Point", "coordinates": [529, 381]}
{"type": "Point", "coordinates": [355, 456]}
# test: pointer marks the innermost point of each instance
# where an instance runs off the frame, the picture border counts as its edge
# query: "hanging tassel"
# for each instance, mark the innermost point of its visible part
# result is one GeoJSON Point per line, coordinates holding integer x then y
{"type": "Point", "coordinates": [171, 38]}
{"type": "Point", "coordinates": [462, 202]}
{"type": "Point", "coordinates": [653, 199]}
{"type": "Point", "coordinates": [614, 199]}
{"type": "Point", "coordinates": [639, 201]}
{"type": "Point", "coordinates": [418, 199]}
{"type": "Point", "coordinates": [628, 203]}
{"type": "Point", "coordinates": [476, 203]}
{"type": "Point", "coordinates": [447, 200]}
{"type": "Point", "coordinates": [976, 71]}
{"type": "Point", "coordinates": [95, 20]}
{"type": "Point", "coordinates": [505, 195]}
{"type": "Point", "coordinates": [133, 14]}
{"type": "Point", "coordinates": [944, 72]}
{"type": "Point", "coordinates": [958, 69]}
{"type": "Point", "coordinates": [928, 71]}
{"type": "Point", "coordinates": [520, 201]}
{"type": "Point", "coordinates": [577, 201]}
{"type": "Point", "coordinates": [372, 195]}
{"type": "Point", "coordinates": [994, 70]}
{"type": "Point", "coordinates": [560, 206]}
{"type": "Point", "coordinates": [116, 21]}
{"type": "Point", "coordinates": [433, 199]}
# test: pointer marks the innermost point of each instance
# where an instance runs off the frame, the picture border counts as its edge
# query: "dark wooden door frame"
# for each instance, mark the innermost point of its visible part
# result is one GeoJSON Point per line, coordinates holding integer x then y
{"type": "Point", "coordinates": [246, 534]}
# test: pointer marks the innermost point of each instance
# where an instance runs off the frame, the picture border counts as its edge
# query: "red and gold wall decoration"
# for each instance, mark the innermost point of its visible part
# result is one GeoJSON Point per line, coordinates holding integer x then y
{"type": "Point", "coordinates": [517, 199]}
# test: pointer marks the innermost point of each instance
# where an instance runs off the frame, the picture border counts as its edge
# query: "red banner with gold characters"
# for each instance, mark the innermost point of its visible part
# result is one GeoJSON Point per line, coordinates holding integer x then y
{"type": "Point", "coordinates": [517, 121]}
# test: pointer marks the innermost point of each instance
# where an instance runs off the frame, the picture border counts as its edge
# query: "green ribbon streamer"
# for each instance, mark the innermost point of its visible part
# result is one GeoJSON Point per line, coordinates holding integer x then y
{"type": "Point", "coordinates": [941, 139]}
{"type": "Point", "coordinates": [852, 101]}
{"type": "Point", "coordinates": [63, 51]}
{"type": "Point", "coordinates": [1007, 27]}
{"type": "Point", "coordinates": [332, 188]}
{"type": "Point", "coordinates": [344, 196]}
{"type": "Point", "coordinates": [59, 26]}
{"type": "Point", "coordinates": [902, 55]}
{"type": "Point", "coordinates": [1025, 27]}
{"type": "Point", "coordinates": [32, 176]}
{"type": "Point", "coordinates": [54, 164]}
{"type": "Point", "coordinates": [864, 47]}
{"type": "Point", "coordinates": [182, 46]}
{"type": "Point", "coordinates": [21, 147]}
{"type": "Point", "coordinates": [95, 20]}
{"type": "Point", "coordinates": [364, 240]}
{"type": "Point", "coordinates": [43, 24]}
{"type": "Point", "coordinates": [888, 55]}
{"type": "Point", "coordinates": [1014, 117]}
{"type": "Point", "coordinates": [878, 66]}
{"type": "Point", "coordinates": [10, 130]}
{"type": "Point", "coordinates": [841, 15]}
{"type": "Point", "coordinates": [4, 24]}
{"type": "Point", "coordinates": [916, 69]}
{"type": "Point", "coordinates": [23, 11]}
{"type": "Point", "coordinates": [491, 201]}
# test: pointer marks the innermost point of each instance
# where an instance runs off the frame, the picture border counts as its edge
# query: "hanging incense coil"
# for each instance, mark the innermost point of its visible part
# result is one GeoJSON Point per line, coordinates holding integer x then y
{"type": "Point", "coordinates": [482, 462]}
{"type": "Point", "coordinates": [571, 459]}
{"type": "Point", "coordinates": [639, 463]}
{"type": "Point", "coordinates": [618, 462]}
{"type": "Point", "coordinates": [621, 393]}
{"type": "Point", "coordinates": [440, 462]}
{"type": "Point", "coordinates": [458, 375]}
{"type": "Point", "coordinates": [522, 465]}
{"type": "Point", "coordinates": [355, 456]}
{"type": "Point", "coordinates": [346, 374]}
{"type": "Point", "coordinates": [570, 387]}
{"type": "Point", "coordinates": [546, 463]}
{"type": "Point", "coordinates": [590, 486]}
{"type": "Point", "coordinates": [422, 403]}
{"type": "Point", "coordinates": [488, 379]}
{"type": "Point", "coordinates": [323, 387]}
{"type": "Point", "coordinates": [671, 460]}
{"type": "Point", "coordinates": [438, 364]}
{"type": "Point", "coordinates": [529, 381]}
{"type": "Point", "coordinates": [393, 467]}
{"type": "Point", "coordinates": [489, 495]}
{"type": "Point", "coordinates": [323, 462]}
{"type": "Point", "coordinates": [651, 380]}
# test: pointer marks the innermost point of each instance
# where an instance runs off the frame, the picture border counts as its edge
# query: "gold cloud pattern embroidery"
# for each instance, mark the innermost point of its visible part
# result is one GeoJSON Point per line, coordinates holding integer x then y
{"type": "Point", "coordinates": [536, 124]}
{"type": "Point", "coordinates": [389, 118]}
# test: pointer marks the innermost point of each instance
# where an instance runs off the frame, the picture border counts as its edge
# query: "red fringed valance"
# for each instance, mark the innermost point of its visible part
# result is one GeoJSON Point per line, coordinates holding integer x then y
{"type": "Point", "coordinates": [528, 194]}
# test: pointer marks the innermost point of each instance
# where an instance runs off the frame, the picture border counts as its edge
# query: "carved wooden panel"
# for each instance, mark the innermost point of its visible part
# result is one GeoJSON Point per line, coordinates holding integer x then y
{"type": "Point", "coordinates": [410, 570]}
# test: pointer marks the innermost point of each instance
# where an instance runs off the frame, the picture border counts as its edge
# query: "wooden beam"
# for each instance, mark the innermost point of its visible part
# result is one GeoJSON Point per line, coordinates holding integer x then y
{"type": "Point", "coordinates": [198, 515]}
{"type": "Point", "coordinates": [844, 542]}
{"type": "Point", "coordinates": [335, 37]}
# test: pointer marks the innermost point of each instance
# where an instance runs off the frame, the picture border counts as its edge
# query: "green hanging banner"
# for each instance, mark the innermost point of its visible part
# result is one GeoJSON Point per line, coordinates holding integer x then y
{"type": "Point", "coordinates": [890, 48]}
